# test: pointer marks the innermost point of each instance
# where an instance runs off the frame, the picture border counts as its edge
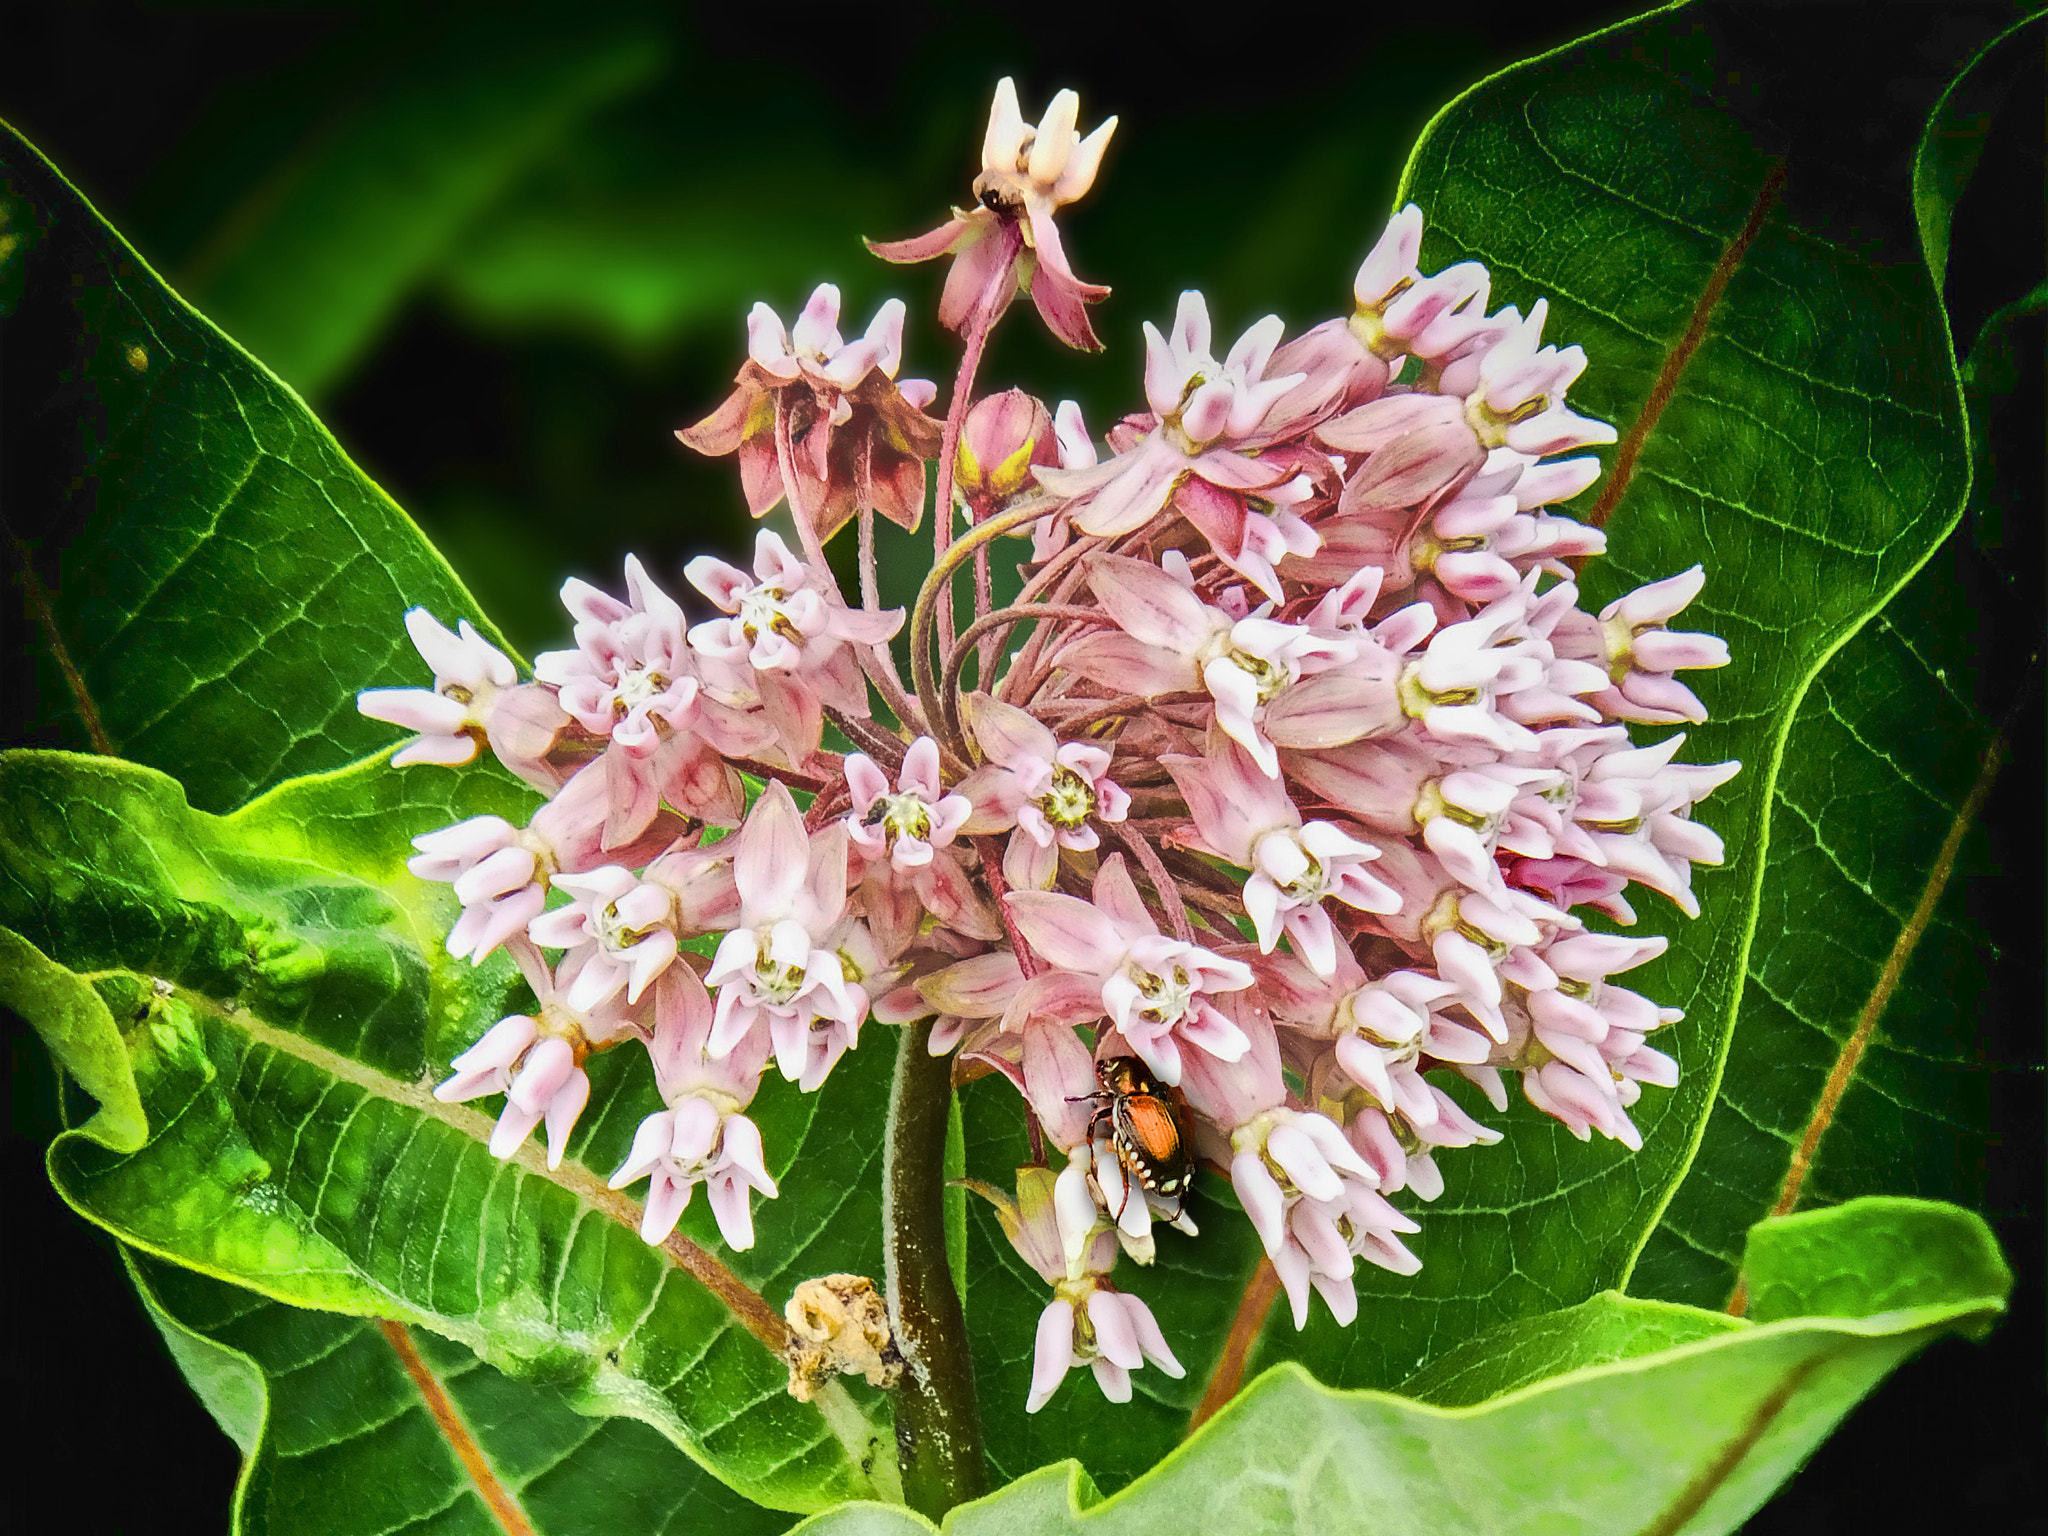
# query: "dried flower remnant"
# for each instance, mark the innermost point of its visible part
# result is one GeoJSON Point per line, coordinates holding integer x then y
{"type": "Point", "coordinates": [839, 1325]}
{"type": "Point", "coordinates": [1290, 776]}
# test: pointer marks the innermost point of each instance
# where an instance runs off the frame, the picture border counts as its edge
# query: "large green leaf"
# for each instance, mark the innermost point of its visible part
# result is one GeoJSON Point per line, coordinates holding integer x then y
{"type": "Point", "coordinates": [422, 1434]}
{"type": "Point", "coordinates": [1619, 1416]}
{"type": "Point", "coordinates": [288, 1006]}
{"type": "Point", "coordinates": [212, 577]}
{"type": "Point", "coordinates": [1858, 1064]}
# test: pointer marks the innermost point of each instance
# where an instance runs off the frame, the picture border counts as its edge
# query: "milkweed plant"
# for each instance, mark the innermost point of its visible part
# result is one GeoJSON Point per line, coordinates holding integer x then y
{"type": "Point", "coordinates": [1291, 773]}
{"type": "Point", "coordinates": [1213, 908]}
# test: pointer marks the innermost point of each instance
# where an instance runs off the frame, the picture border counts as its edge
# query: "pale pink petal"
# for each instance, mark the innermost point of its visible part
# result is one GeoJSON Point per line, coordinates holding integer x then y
{"type": "Point", "coordinates": [732, 1205]}
{"type": "Point", "coordinates": [1067, 931]}
{"type": "Point", "coordinates": [1053, 1354]}
{"type": "Point", "coordinates": [667, 1198]}
{"type": "Point", "coordinates": [1150, 605]}
{"type": "Point", "coordinates": [1114, 1334]}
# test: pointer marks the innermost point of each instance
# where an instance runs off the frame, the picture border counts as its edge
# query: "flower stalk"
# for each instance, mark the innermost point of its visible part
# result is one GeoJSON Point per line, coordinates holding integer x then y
{"type": "Point", "coordinates": [938, 1428]}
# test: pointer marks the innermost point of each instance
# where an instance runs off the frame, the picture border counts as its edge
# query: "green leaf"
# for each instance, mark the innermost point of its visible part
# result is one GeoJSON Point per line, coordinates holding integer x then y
{"type": "Point", "coordinates": [421, 1433]}
{"type": "Point", "coordinates": [1626, 1431]}
{"type": "Point", "coordinates": [1857, 1065]}
{"type": "Point", "coordinates": [1606, 1328]}
{"type": "Point", "coordinates": [212, 578]}
{"type": "Point", "coordinates": [354, 209]}
{"type": "Point", "coordinates": [290, 1006]}
{"type": "Point", "coordinates": [81, 1034]}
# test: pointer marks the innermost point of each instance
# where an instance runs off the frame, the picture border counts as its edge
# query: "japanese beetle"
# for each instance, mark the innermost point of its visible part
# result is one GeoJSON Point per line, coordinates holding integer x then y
{"type": "Point", "coordinates": [1144, 1128]}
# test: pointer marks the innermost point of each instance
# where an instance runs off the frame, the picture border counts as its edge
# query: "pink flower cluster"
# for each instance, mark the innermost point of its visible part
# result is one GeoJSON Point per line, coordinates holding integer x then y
{"type": "Point", "coordinates": [1293, 773]}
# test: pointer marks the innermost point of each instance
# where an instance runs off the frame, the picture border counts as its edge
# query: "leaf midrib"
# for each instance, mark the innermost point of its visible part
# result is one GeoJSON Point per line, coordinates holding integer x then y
{"type": "Point", "coordinates": [1842, 1072]}
{"type": "Point", "coordinates": [503, 1506]}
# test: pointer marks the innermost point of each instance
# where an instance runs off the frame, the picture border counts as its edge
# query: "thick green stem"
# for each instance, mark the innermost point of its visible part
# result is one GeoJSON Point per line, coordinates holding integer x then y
{"type": "Point", "coordinates": [938, 1427]}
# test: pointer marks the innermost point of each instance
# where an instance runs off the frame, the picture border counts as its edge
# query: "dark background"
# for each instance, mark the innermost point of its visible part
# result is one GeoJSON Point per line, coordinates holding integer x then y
{"type": "Point", "coordinates": [515, 381]}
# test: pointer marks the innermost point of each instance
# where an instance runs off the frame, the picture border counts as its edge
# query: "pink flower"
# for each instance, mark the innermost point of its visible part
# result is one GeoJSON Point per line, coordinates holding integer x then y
{"type": "Point", "coordinates": [624, 930]}
{"type": "Point", "coordinates": [789, 635]}
{"type": "Point", "coordinates": [1315, 1204]}
{"type": "Point", "coordinates": [701, 1138]}
{"type": "Point", "coordinates": [1628, 809]}
{"type": "Point", "coordinates": [1518, 398]}
{"type": "Point", "coordinates": [1404, 1158]}
{"type": "Point", "coordinates": [1384, 1027]}
{"type": "Point", "coordinates": [773, 972]}
{"type": "Point", "coordinates": [501, 873]}
{"type": "Point", "coordinates": [535, 1060]}
{"type": "Point", "coordinates": [1402, 313]}
{"type": "Point", "coordinates": [474, 701]}
{"type": "Point", "coordinates": [1579, 1041]}
{"type": "Point", "coordinates": [906, 839]}
{"type": "Point", "coordinates": [903, 828]}
{"type": "Point", "coordinates": [1026, 175]}
{"type": "Point", "coordinates": [1087, 1322]}
{"type": "Point", "coordinates": [622, 926]}
{"type": "Point", "coordinates": [1479, 542]}
{"type": "Point", "coordinates": [630, 671]}
{"type": "Point", "coordinates": [1248, 819]}
{"type": "Point", "coordinates": [1182, 643]}
{"type": "Point", "coordinates": [1051, 792]}
{"type": "Point", "coordinates": [1209, 414]}
{"type": "Point", "coordinates": [1464, 687]}
{"type": "Point", "coordinates": [1154, 989]}
{"type": "Point", "coordinates": [858, 438]}
{"type": "Point", "coordinates": [1004, 438]}
{"type": "Point", "coordinates": [1630, 644]}
{"type": "Point", "coordinates": [1110, 1331]}
{"type": "Point", "coordinates": [632, 679]}
{"type": "Point", "coordinates": [498, 876]}
{"type": "Point", "coordinates": [1389, 273]}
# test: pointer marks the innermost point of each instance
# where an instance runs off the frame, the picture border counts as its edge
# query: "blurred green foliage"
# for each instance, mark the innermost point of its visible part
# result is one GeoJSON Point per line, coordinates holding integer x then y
{"type": "Point", "coordinates": [507, 251]}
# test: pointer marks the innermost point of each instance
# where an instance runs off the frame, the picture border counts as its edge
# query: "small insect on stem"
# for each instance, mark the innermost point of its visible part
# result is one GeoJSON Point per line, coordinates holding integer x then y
{"type": "Point", "coordinates": [1144, 1128]}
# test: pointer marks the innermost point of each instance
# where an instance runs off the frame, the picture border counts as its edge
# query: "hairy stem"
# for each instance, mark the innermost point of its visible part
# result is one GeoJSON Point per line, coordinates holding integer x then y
{"type": "Point", "coordinates": [999, 887]}
{"type": "Point", "coordinates": [1068, 569]}
{"type": "Point", "coordinates": [987, 306]}
{"type": "Point", "coordinates": [986, 629]}
{"type": "Point", "coordinates": [1170, 899]}
{"type": "Point", "coordinates": [881, 671]}
{"type": "Point", "coordinates": [938, 1427]}
{"type": "Point", "coordinates": [894, 694]}
{"type": "Point", "coordinates": [930, 600]}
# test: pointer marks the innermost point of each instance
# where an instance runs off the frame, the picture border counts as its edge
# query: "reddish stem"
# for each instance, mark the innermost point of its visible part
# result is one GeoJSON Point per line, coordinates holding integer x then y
{"type": "Point", "coordinates": [1170, 898]}
{"type": "Point", "coordinates": [992, 872]}
{"type": "Point", "coordinates": [880, 672]}
{"type": "Point", "coordinates": [979, 323]}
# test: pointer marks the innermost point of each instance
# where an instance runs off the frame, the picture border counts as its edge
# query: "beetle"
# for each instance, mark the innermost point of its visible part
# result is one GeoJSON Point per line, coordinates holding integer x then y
{"type": "Point", "coordinates": [1144, 1128]}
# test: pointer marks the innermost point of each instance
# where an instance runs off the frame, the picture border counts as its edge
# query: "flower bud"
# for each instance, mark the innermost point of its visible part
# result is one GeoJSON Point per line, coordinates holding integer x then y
{"type": "Point", "coordinates": [1004, 436]}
